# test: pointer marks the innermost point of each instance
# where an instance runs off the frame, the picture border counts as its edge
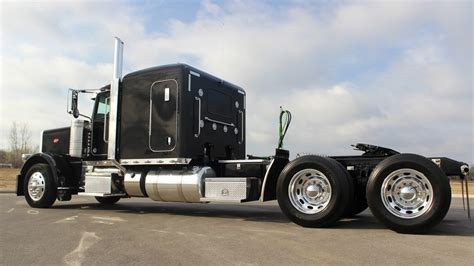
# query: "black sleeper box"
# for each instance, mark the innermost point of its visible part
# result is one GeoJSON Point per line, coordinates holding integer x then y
{"type": "Point", "coordinates": [175, 111]}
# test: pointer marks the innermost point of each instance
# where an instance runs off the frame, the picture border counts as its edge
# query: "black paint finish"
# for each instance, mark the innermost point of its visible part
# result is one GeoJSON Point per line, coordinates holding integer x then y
{"type": "Point", "coordinates": [56, 140]}
{"type": "Point", "coordinates": [160, 109]}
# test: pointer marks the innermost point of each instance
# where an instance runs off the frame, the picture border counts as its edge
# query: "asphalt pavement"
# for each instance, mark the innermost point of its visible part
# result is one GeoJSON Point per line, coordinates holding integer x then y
{"type": "Point", "coordinates": [141, 231]}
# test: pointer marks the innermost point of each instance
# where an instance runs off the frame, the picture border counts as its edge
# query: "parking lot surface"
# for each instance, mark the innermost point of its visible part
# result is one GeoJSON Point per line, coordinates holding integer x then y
{"type": "Point", "coordinates": [141, 231]}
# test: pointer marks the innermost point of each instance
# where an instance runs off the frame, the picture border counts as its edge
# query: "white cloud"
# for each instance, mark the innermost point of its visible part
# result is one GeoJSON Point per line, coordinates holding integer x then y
{"type": "Point", "coordinates": [393, 73]}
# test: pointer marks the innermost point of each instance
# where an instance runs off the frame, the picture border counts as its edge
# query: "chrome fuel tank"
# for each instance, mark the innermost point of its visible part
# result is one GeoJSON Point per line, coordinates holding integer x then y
{"type": "Point", "coordinates": [185, 185]}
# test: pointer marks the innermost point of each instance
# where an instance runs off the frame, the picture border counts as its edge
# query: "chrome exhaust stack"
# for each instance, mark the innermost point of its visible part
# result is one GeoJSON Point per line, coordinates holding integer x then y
{"type": "Point", "coordinates": [114, 92]}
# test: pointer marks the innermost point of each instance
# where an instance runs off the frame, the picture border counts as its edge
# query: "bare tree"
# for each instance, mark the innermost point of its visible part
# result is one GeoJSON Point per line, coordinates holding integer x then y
{"type": "Point", "coordinates": [20, 143]}
{"type": "Point", "coordinates": [3, 156]}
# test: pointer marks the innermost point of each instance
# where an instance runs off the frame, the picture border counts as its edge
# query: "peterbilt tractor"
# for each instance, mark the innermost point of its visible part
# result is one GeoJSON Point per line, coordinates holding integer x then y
{"type": "Point", "coordinates": [174, 133]}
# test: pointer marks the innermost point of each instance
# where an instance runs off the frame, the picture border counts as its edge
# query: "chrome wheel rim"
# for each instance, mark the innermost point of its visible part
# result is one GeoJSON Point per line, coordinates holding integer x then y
{"type": "Point", "coordinates": [407, 193]}
{"type": "Point", "coordinates": [309, 191]}
{"type": "Point", "coordinates": [36, 186]}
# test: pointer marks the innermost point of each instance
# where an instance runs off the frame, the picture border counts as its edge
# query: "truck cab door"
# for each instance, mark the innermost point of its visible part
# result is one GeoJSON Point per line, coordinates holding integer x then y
{"type": "Point", "coordinates": [100, 121]}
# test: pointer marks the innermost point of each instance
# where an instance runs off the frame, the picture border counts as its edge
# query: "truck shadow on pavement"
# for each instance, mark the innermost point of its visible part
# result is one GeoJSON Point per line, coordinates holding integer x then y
{"type": "Point", "coordinates": [447, 227]}
{"type": "Point", "coordinates": [262, 213]}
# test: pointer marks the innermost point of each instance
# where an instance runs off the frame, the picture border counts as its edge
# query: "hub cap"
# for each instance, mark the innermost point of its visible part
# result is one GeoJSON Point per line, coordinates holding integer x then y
{"type": "Point", "coordinates": [407, 193]}
{"type": "Point", "coordinates": [36, 186]}
{"type": "Point", "coordinates": [309, 191]}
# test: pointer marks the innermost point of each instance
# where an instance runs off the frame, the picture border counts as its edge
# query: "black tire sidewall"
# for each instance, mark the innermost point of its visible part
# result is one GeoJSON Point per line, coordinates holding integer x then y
{"type": "Point", "coordinates": [441, 198]}
{"type": "Point", "coordinates": [339, 184]}
{"type": "Point", "coordinates": [359, 203]}
{"type": "Point", "coordinates": [50, 190]}
{"type": "Point", "coordinates": [107, 200]}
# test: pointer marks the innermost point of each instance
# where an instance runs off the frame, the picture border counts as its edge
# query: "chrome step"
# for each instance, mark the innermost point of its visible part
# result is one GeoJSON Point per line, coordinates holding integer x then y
{"type": "Point", "coordinates": [98, 183]}
{"type": "Point", "coordinates": [228, 189]}
{"type": "Point", "coordinates": [100, 180]}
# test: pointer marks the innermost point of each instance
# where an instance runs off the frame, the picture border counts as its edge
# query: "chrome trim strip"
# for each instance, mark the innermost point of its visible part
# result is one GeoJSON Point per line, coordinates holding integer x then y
{"type": "Point", "coordinates": [222, 200]}
{"type": "Point", "coordinates": [161, 161]}
{"type": "Point", "coordinates": [41, 142]}
{"type": "Point", "coordinates": [99, 163]}
{"type": "Point", "coordinates": [242, 133]}
{"type": "Point", "coordinates": [194, 73]}
{"type": "Point", "coordinates": [151, 106]}
{"type": "Point", "coordinates": [250, 161]}
{"type": "Point", "coordinates": [101, 194]}
{"type": "Point", "coordinates": [199, 118]}
{"type": "Point", "coordinates": [219, 122]}
{"type": "Point", "coordinates": [265, 180]}
{"type": "Point", "coordinates": [119, 166]}
{"type": "Point", "coordinates": [106, 171]}
{"type": "Point", "coordinates": [92, 136]}
{"type": "Point", "coordinates": [105, 120]}
{"type": "Point", "coordinates": [191, 73]}
{"type": "Point", "coordinates": [189, 82]}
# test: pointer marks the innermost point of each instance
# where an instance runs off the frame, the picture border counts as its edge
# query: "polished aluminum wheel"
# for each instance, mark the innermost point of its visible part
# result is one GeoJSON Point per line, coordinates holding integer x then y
{"type": "Point", "coordinates": [309, 191]}
{"type": "Point", "coordinates": [407, 193]}
{"type": "Point", "coordinates": [36, 186]}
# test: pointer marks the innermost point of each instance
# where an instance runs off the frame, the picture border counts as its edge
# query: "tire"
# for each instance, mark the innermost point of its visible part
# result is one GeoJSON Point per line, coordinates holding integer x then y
{"type": "Point", "coordinates": [359, 202]}
{"type": "Point", "coordinates": [107, 200]}
{"type": "Point", "coordinates": [408, 193]}
{"type": "Point", "coordinates": [39, 186]}
{"type": "Point", "coordinates": [326, 191]}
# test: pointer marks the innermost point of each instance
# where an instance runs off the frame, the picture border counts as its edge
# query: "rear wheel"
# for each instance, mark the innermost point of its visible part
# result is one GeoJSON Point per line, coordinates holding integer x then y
{"type": "Point", "coordinates": [107, 200]}
{"type": "Point", "coordinates": [408, 193]}
{"type": "Point", "coordinates": [39, 186]}
{"type": "Point", "coordinates": [313, 191]}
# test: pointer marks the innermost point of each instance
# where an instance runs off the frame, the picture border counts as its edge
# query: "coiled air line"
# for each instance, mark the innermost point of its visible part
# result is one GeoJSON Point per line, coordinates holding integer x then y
{"type": "Point", "coordinates": [285, 121]}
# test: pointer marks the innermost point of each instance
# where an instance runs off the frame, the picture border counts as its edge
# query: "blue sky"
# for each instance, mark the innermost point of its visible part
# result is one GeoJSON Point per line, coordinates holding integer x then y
{"type": "Point", "coordinates": [393, 73]}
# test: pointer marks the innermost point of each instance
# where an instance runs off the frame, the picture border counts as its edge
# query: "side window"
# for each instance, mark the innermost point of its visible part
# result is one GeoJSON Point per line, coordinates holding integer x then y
{"type": "Point", "coordinates": [103, 106]}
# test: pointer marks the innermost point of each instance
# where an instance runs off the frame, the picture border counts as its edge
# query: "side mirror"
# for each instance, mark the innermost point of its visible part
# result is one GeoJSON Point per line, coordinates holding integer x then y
{"type": "Point", "coordinates": [72, 103]}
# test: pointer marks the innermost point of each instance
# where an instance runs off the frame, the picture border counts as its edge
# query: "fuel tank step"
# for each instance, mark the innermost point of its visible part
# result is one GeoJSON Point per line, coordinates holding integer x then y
{"type": "Point", "coordinates": [230, 189]}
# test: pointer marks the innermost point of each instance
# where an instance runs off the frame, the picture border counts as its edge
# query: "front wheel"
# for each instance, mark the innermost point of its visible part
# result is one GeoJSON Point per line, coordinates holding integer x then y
{"type": "Point", "coordinates": [313, 191]}
{"type": "Point", "coordinates": [39, 186]}
{"type": "Point", "coordinates": [408, 193]}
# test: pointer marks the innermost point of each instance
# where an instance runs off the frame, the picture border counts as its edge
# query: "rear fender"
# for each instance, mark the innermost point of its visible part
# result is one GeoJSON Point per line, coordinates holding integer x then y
{"type": "Point", "coordinates": [273, 172]}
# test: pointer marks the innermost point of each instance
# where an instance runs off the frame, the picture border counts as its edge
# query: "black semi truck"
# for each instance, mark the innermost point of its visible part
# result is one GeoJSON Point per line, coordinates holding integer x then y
{"type": "Point", "coordinates": [175, 133]}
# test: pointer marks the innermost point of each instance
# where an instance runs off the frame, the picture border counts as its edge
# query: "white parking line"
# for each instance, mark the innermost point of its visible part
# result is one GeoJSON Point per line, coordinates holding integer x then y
{"type": "Point", "coordinates": [102, 222]}
{"type": "Point", "coordinates": [77, 256]}
{"type": "Point", "coordinates": [107, 218]}
{"type": "Point", "coordinates": [71, 219]}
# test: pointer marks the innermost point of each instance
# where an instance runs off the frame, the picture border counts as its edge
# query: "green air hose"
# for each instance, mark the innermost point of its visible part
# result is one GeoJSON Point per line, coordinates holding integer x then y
{"type": "Point", "coordinates": [285, 120]}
